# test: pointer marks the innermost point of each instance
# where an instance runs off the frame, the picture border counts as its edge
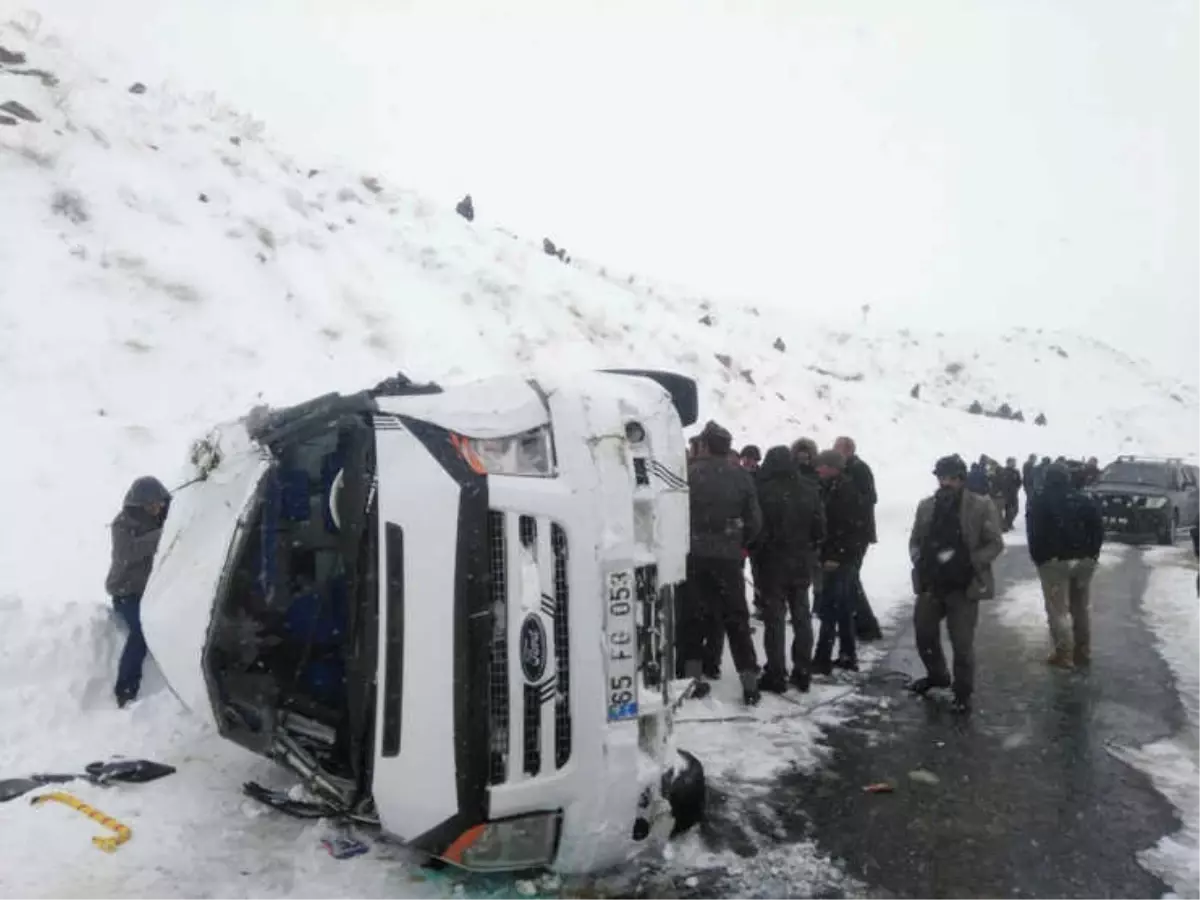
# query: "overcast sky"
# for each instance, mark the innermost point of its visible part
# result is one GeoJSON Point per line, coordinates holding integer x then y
{"type": "Point", "coordinates": [951, 163]}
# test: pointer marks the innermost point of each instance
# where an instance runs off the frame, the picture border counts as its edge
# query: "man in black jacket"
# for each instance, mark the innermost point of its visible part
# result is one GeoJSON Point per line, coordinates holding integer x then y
{"type": "Point", "coordinates": [866, 626]}
{"type": "Point", "coordinates": [1009, 483]}
{"type": "Point", "coordinates": [1195, 546]}
{"type": "Point", "coordinates": [1027, 475]}
{"type": "Point", "coordinates": [793, 525]}
{"type": "Point", "coordinates": [1066, 532]}
{"type": "Point", "coordinates": [135, 535]}
{"type": "Point", "coordinates": [725, 518]}
{"type": "Point", "coordinates": [843, 546]}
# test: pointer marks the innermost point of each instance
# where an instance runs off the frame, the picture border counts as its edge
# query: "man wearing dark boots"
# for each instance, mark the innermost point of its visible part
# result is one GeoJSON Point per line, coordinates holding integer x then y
{"type": "Point", "coordinates": [866, 626]}
{"type": "Point", "coordinates": [845, 540]}
{"type": "Point", "coordinates": [955, 538]}
{"type": "Point", "coordinates": [725, 518]}
{"type": "Point", "coordinates": [793, 524]}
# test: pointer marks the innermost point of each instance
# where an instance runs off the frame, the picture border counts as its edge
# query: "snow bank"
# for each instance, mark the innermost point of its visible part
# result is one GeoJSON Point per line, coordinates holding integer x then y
{"type": "Point", "coordinates": [1173, 765]}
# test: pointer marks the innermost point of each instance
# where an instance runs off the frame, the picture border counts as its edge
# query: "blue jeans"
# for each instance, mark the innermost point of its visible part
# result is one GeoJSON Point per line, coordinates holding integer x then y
{"type": "Point", "coordinates": [129, 671]}
{"type": "Point", "coordinates": [839, 595]}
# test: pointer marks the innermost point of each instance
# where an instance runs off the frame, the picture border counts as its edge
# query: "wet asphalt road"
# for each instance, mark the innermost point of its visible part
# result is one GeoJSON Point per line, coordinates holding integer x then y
{"type": "Point", "coordinates": [1028, 801]}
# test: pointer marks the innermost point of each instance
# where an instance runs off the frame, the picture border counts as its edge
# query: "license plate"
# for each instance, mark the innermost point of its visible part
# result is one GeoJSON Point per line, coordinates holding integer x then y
{"type": "Point", "coordinates": [1116, 520]}
{"type": "Point", "coordinates": [620, 631]}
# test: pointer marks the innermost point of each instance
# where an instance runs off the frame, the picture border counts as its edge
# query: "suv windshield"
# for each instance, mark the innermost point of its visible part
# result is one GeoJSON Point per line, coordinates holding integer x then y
{"type": "Point", "coordinates": [1154, 474]}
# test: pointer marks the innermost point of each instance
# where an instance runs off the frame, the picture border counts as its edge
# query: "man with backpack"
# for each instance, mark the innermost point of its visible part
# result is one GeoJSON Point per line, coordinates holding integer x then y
{"type": "Point", "coordinates": [1066, 532]}
{"type": "Point", "coordinates": [955, 538]}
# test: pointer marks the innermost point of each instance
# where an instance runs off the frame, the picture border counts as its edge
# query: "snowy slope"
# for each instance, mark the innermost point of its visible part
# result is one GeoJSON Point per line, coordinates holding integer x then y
{"type": "Point", "coordinates": [163, 265]}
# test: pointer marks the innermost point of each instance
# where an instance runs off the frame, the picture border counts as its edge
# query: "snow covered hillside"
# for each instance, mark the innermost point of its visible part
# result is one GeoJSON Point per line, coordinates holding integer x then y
{"type": "Point", "coordinates": [163, 266]}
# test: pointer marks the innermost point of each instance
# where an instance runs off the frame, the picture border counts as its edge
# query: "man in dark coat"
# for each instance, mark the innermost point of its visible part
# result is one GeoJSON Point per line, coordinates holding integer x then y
{"type": "Point", "coordinates": [725, 519]}
{"type": "Point", "coordinates": [750, 458]}
{"type": "Point", "coordinates": [954, 541]}
{"type": "Point", "coordinates": [793, 525]}
{"type": "Point", "coordinates": [1195, 547]}
{"type": "Point", "coordinates": [135, 535]}
{"type": "Point", "coordinates": [805, 452]}
{"type": "Point", "coordinates": [866, 626]}
{"type": "Point", "coordinates": [1091, 471]}
{"type": "Point", "coordinates": [845, 540]}
{"type": "Point", "coordinates": [1027, 474]}
{"type": "Point", "coordinates": [977, 480]}
{"type": "Point", "coordinates": [1009, 481]}
{"type": "Point", "coordinates": [1066, 532]}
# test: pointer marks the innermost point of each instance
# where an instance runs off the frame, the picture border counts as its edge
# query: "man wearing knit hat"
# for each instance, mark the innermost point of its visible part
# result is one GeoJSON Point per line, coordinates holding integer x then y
{"type": "Point", "coordinates": [955, 538]}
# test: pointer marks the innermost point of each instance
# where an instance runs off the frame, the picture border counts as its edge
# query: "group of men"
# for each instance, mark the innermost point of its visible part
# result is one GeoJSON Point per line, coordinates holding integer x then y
{"type": "Point", "coordinates": [804, 519]}
{"type": "Point", "coordinates": [1005, 484]}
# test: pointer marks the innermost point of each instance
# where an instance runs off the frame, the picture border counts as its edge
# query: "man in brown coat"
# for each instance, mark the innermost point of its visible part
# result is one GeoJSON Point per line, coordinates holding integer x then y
{"type": "Point", "coordinates": [955, 538]}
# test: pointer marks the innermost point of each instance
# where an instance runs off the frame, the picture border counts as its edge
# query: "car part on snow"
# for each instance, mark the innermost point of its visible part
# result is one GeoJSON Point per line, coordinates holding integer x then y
{"type": "Point", "coordinates": [122, 833]}
{"type": "Point", "coordinates": [879, 787]}
{"type": "Point", "coordinates": [304, 809]}
{"type": "Point", "coordinates": [12, 788]}
{"type": "Point", "coordinates": [129, 771]}
{"type": "Point", "coordinates": [688, 794]}
{"type": "Point", "coordinates": [342, 847]}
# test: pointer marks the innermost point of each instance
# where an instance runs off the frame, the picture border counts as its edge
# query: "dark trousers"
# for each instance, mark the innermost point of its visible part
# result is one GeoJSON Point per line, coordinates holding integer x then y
{"type": "Point", "coordinates": [837, 616]}
{"type": "Point", "coordinates": [129, 670]}
{"type": "Point", "coordinates": [783, 596]}
{"type": "Point", "coordinates": [1012, 506]}
{"type": "Point", "coordinates": [715, 608]}
{"type": "Point", "coordinates": [961, 615]}
{"type": "Point", "coordinates": [865, 623]}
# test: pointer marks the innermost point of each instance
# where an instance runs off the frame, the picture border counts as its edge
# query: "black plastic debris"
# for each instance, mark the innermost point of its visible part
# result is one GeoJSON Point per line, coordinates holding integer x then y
{"type": "Point", "coordinates": [126, 771]}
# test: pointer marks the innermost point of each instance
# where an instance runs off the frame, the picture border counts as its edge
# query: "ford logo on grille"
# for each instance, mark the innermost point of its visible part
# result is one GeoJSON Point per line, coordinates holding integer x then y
{"type": "Point", "coordinates": [533, 648]}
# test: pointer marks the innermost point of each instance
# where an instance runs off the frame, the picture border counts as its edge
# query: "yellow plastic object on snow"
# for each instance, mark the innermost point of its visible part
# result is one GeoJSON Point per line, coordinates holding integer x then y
{"type": "Point", "coordinates": [107, 844]}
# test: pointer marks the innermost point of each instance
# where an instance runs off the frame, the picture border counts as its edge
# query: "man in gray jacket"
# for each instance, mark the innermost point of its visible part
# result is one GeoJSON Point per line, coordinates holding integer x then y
{"type": "Point", "coordinates": [955, 538]}
{"type": "Point", "coordinates": [725, 519]}
{"type": "Point", "coordinates": [135, 535]}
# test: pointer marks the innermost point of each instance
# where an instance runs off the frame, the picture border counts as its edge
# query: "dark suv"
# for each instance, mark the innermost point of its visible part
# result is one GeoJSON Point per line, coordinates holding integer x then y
{"type": "Point", "coordinates": [1142, 497]}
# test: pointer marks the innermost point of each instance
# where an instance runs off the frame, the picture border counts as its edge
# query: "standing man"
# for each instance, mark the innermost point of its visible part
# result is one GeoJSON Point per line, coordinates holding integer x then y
{"type": "Point", "coordinates": [865, 624]}
{"type": "Point", "coordinates": [749, 459]}
{"type": "Point", "coordinates": [135, 535]}
{"type": "Point", "coordinates": [1195, 547]}
{"type": "Point", "coordinates": [955, 538]}
{"type": "Point", "coordinates": [725, 518]}
{"type": "Point", "coordinates": [845, 541]}
{"type": "Point", "coordinates": [1066, 532]}
{"type": "Point", "coordinates": [1010, 483]}
{"type": "Point", "coordinates": [805, 452]}
{"type": "Point", "coordinates": [1027, 471]}
{"type": "Point", "coordinates": [793, 524]}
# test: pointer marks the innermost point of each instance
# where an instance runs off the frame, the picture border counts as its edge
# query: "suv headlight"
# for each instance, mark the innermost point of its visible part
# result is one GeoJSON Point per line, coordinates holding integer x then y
{"type": "Point", "coordinates": [523, 843]}
{"type": "Point", "coordinates": [529, 454]}
{"type": "Point", "coordinates": [1156, 502]}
